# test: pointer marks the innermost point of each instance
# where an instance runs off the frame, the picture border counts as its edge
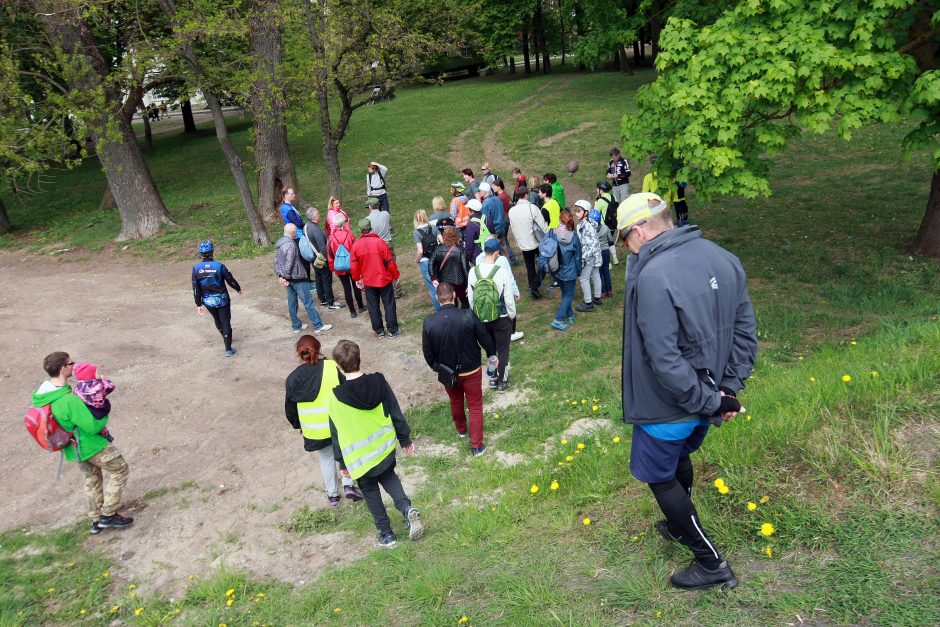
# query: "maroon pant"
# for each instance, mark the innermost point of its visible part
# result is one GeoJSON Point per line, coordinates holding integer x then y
{"type": "Point", "coordinates": [470, 387]}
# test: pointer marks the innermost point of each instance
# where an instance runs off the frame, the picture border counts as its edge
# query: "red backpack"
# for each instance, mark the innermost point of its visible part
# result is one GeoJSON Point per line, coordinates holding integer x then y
{"type": "Point", "coordinates": [42, 425]}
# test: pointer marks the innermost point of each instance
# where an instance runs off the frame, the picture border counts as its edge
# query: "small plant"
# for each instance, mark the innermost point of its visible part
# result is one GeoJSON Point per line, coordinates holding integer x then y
{"type": "Point", "coordinates": [305, 521]}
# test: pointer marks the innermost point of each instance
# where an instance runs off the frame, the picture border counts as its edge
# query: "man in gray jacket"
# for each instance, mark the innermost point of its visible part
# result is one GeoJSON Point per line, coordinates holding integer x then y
{"type": "Point", "coordinates": [292, 275]}
{"type": "Point", "coordinates": [689, 345]}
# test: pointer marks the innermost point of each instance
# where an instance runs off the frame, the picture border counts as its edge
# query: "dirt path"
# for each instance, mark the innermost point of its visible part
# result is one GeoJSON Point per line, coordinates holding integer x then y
{"type": "Point", "coordinates": [205, 436]}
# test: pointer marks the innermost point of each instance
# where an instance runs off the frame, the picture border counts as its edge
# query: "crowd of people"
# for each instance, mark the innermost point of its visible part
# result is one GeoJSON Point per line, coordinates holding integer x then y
{"type": "Point", "coordinates": [689, 334]}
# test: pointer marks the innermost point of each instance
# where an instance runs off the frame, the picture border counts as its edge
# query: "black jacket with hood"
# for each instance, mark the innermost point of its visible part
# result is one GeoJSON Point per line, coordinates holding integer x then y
{"type": "Point", "coordinates": [303, 386]}
{"type": "Point", "coordinates": [368, 392]}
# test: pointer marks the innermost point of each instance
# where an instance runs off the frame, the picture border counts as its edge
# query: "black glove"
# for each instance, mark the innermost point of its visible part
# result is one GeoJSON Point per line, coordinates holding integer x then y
{"type": "Point", "coordinates": [728, 391]}
{"type": "Point", "coordinates": [728, 403]}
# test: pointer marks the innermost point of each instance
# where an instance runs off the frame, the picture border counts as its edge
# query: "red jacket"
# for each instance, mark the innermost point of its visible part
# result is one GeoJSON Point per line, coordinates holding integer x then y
{"type": "Point", "coordinates": [371, 261]}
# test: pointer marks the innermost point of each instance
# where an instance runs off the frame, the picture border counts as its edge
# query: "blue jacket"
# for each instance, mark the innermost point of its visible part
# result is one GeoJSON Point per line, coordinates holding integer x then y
{"type": "Point", "coordinates": [291, 216]}
{"type": "Point", "coordinates": [569, 255]}
{"type": "Point", "coordinates": [688, 327]}
{"type": "Point", "coordinates": [209, 279]}
{"type": "Point", "coordinates": [493, 210]}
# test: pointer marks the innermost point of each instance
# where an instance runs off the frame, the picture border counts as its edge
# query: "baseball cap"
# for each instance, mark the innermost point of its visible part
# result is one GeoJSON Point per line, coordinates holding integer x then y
{"type": "Point", "coordinates": [372, 201]}
{"type": "Point", "coordinates": [474, 205]}
{"type": "Point", "coordinates": [364, 224]}
{"type": "Point", "coordinates": [628, 214]}
{"type": "Point", "coordinates": [491, 245]}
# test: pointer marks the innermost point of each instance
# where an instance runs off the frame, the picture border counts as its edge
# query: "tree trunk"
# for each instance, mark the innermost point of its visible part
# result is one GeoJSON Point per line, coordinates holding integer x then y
{"type": "Point", "coordinates": [148, 132]}
{"type": "Point", "coordinates": [107, 201]}
{"type": "Point", "coordinates": [656, 27]}
{"type": "Point", "coordinates": [189, 123]}
{"type": "Point", "coordinates": [579, 26]}
{"type": "Point", "coordinates": [139, 204]}
{"type": "Point", "coordinates": [928, 235]}
{"type": "Point", "coordinates": [272, 156]}
{"type": "Point", "coordinates": [636, 51]}
{"type": "Point", "coordinates": [525, 48]}
{"type": "Point", "coordinates": [541, 41]}
{"type": "Point", "coordinates": [5, 225]}
{"type": "Point", "coordinates": [512, 65]}
{"type": "Point", "coordinates": [561, 24]}
{"type": "Point", "coordinates": [625, 64]}
{"type": "Point", "coordinates": [331, 159]}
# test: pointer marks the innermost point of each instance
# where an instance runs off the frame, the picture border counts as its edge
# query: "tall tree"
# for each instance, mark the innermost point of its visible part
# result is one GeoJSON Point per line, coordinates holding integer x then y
{"type": "Point", "coordinates": [104, 86]}
{"type": "Point", "coordinates": [730, 94]}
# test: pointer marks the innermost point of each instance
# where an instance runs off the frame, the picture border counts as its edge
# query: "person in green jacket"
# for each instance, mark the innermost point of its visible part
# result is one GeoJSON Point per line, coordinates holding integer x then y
{"type": "Point", "coordinates": [90, 449]}
{"type": "Point", "coordinates": [558, 190]}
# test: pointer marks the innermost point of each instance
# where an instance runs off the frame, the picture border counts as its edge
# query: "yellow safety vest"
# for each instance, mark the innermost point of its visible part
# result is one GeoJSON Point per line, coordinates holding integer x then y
{"type": "Point", "coordinates": [366, 436]}
{"type": "Point", "coordinates": [314, 415]}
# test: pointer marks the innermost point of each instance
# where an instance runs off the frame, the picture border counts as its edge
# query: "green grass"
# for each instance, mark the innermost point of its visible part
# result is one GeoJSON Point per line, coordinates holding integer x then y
{"type": "Point", "coordinates": [849, 467]}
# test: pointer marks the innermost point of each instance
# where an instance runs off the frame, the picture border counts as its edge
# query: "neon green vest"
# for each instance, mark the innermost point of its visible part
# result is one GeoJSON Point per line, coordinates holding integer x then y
{"type": "Point", "coordinates": [314, 415]}
{"type": "Point", "coordinates": [366, 436]}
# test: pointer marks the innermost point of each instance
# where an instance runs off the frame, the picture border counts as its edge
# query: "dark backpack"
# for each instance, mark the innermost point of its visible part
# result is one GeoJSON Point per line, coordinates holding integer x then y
{"type": "Point", "coordinates": [428, 242]}
{"type": "Point", "coordinates": [548, 253]}
{"type": "Point", "coordinates": [486, 298]}
{"type": "Point", "coordinates": [610, 216]}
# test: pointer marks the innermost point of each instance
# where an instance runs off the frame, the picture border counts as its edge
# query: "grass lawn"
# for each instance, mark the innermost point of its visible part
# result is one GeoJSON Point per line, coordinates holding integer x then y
{"type": "Point", "coordinates": [837, 452]}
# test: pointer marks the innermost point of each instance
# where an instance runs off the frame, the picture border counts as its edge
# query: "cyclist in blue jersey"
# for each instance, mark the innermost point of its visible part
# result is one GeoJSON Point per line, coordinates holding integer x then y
{"type": "Point", "coordinates": [211, 294]}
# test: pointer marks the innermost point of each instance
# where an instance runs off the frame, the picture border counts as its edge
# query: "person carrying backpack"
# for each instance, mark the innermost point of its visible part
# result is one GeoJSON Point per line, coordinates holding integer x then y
{"type": "Point", "coordinates": [490, 293]}
{"type": "Point", "coordinates": [607, 205]}
{"type": "Point", "coordinates": [338, 250]}
{"type": "Point", "coordinates": [569, 265]}
{"type": "Point", "coordinates": [426, 238]}
{"type": "Point", "coordinates": [93, 452]}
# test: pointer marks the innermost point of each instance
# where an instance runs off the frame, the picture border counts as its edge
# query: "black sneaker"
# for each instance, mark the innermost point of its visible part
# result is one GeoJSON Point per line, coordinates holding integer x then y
{"type": "Point", "coordinates": [336, 306]}
{"type": "Point", "coordinates": [476, 452]}
{"type": "Point", "coordinates": [493, 383]}
{"type": "Point", "coordinates": [662, 526]}
{"type": "Point", "coordinates": [95, 528]}
{"type": "Point", "coordinates": [353, 313]}
{"type": "Point", "coordinates": [230, 352]}
{"type": "Point", "coordinates": [380, 334]}
{"type": "Point", "coordinates": [697, 577]}
{"type": "Point", "coordinates": [115, 522]}
{"type": "Point", "coordinates": [502, 386]}
{"type": "Point", "coordinates": [598, 301]}
{"type": "Point", "coordinates": [584, 307]}
{"type": "Point", "coordinates": [395, 334]}
{"type": "Point", "coordinates": [535, 294]}
{"type": "Point", "coordinates": [387, 540]}
{"type": "Point", "coordinates": [415, 526]}
{"type": "Point", "coordinates": [352, 493]}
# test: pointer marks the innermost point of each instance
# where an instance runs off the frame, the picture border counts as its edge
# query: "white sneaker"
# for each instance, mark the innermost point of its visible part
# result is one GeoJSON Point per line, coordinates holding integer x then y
{"type": "Point", "coordinates": [518, 335]}
{"type": "Point", "coordinates": [302, 327]}
{"type": "Point", "coordinates": [325, 327]}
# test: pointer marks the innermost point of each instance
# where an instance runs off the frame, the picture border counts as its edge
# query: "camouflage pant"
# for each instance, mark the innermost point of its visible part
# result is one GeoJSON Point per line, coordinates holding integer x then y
{"type": "Point", "coordinates": [104, 501]}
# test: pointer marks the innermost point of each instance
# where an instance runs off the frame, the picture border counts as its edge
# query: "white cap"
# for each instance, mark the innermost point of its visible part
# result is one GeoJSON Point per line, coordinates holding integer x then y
{"type": "Point", "coordinates": [583, 204]}
{"type": "Point", "coordinates": [474, 205]}
{"type": "Point", "coordinates": [485, 187]}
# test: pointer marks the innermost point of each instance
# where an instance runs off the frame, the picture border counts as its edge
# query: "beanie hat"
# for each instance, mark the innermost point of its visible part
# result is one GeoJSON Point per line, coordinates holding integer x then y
{"type": "Point", "coordinates": [365, 224]}
{"type": "Point", "coordinates": [85, 372]}
{"type": "Point", "coordinates": [474, 205]}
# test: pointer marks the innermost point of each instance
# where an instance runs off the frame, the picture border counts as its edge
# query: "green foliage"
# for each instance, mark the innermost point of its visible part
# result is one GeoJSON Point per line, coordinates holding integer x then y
{"type": "Point", "coordinates": [735, 91]}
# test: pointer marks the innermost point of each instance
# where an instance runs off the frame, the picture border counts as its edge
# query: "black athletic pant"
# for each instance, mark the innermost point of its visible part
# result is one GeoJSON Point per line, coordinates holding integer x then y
{"type": "Point", "coordinates": [324, 285]}
{"type": "Point", "coordinates": [501, 332]}
{"type": "Point", "coordinates": [373, 497]}
{"type": "Point", "coordinates": [674, 499]}
{"type": "Point", "coordinates": [223, 322]}
{"type": "Point", "coordinates": [387, 296]}
{"type": "Point", "coordinates": [532, 274]}
{"type": "Point", "coordinates": [682, 211]}
{"type": "Point", "coordinates": [348, 289]}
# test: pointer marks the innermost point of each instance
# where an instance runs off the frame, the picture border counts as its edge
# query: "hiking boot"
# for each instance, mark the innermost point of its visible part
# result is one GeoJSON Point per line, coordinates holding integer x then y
{"type": "Point", "coordinates": [598, 301]}
{"type": "Point", "coordinates": [325, 327]}
{"type": "Point", "coordinates": [352, 493]}
{"type": "Point", "coordinates": [662, 526]}
{"type": "Point", "coordinates": [395, 334]}
{"type": "Point", "coordinates": [95, 528]}
{"type": "Point", "coordinates": [518, 335]}
{"type": "Point", "coordinates": [387, 540]}
{"type": "Point", "coordinates": [584, 307]}
{"type": "Point", "coordinates": [336, 306]}
{"type": "Point", "coordinates": [334, 501]}
{"type": "Point", "coordinates": [697, 577]}
{"type": "Point", "coordinates": [302, 327]}
{"type": "Point", "coordinates": [415, 526]}
{"type": "Point", "coordinates": [476, 452]}
{"type": "Point", "coordinates": [115, 521]}
{"type": "Point", "coordinates": [502, 386]}
{"type": "Point", "coordinates": [558, 324]}
{"type": "Point", "coordinates": [230, 352]}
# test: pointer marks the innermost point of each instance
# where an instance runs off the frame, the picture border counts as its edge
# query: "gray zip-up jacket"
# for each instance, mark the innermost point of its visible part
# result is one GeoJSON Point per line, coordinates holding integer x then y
{"type": "Point", "coordinates": [287, 258]}
{"type": "Point", "coordinates": [687, 321]}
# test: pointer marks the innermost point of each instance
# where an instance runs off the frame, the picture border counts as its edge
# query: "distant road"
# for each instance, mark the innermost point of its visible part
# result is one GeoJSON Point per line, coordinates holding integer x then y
{"type": "Point", "coordinates": [174, 120]}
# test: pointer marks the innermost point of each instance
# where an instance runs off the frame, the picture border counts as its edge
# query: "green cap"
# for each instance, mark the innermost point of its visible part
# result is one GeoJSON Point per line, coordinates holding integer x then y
{"type": "Point", "coordinates": [372, 202]}
{"type": "Point", "coordinates": [364, 224]}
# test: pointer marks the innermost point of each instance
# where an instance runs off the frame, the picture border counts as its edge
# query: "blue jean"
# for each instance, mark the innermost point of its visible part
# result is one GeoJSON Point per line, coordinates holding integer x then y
{"type": "Point", "coordinates": [606, 284]}
{"type": "Point", "coordinates": [567, 297]}
{"type": "Point", "coordinates": [301, 289]}
{"type": "Point", "coordinates": [383, 202]}
{"type": "Point", "coordinates": [426, 273]}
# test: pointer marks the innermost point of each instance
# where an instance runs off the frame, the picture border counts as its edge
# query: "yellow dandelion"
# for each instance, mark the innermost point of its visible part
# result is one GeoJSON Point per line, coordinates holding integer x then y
{"type": "Point", "coordinates": [658, 614]}
{"type": "Point", "coordinates": [50, 590]}
{"type": "Point", "coordinates": [493, 509]}
{"type": "Point", "coordinates": [105, 574]}
{"type": "Point", "coordinates": [751, 505]}
{"type": "Point", "coordinates": [764, 499]}
{"type": "Point", "coordinates": [874, 373]}
{"type": "Point", "coordinates": [748, 417]}
{"type": "Point", "coordinates": [635, 538]}
{"type": "Point", "coordinates": [616, 439]}
{"type": "Point", "coordinates": [229, 602]}
{"type": "Point", "coordinates": [553, 486]}
{"type": "Point", "coordinates": [222, 625]}
{"type": "Point", "coordinates": [569, 458]}
{"type": "Point", "coordinates": [769, 552]}
{"type": "Point", "coordinates": [581, 445]}
{"type": "Point", "coordinates": [767, 530]}
{"type": "Point", "coordinates": [564, 441]}
{"type": "Point", "coordinates": [115, 608]}
{"type": "Point", "coordinates": [71, 564]}
{"type": "Point", "coordinates": [534, 489]}
{"type": "Point", "coordinates": [337, 610]}
{"type": "Point", "coordinates": [495, 416]}
{"type": "Point", "coordinates": [853, 343]}
{"type": "Point", "coordinates": [83, 611]}
{"type": "Point", "coordinates": [846, 378]}
{"type": "Point", "coordinates": [801, 358]}
{"type": "Point", "coordinates": [191, 577]}
{"type": "Point", "coordinates": [230, 592]}
{"type": "Point", "coordinates": [583, 401]}
{"type": "Point", "coordinates": [723, 489]}
{"type": "Point", "coordinates": [574, 402]}
{"type": "Point", "coordinates": [463, 619]}
{"type": "Point", "coordinates": [718, 482]}
{"type": "Point", "coordinates": [812, 379]}
{"type": "Point", "coordinates": [131, 586]}
{"type": "Point", "coordinates": [586, 521]}
{"type": "Point", "coordinates": [595, 407]}
{"type": "Point", "coordinates": [578, 452]}
{"type": "Point", "coordinates": [138, 611]}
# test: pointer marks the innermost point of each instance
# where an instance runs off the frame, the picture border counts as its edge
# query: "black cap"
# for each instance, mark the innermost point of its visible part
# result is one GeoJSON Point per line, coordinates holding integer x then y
{"type": "Point", "coordinates": [604, 186]}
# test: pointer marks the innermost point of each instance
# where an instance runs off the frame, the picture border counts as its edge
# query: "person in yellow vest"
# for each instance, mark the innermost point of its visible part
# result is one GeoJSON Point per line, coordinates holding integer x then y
{"type": "Point", "coordinates": [309, 389]}
{"type": "Point", "coordinates": [365, 422]}
{"type": "Point", "coordinates": [651, 185]}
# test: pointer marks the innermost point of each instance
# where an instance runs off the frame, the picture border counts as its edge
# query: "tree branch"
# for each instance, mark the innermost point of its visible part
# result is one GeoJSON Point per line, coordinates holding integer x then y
{"type": "Point", "coordinates": [917, 42]}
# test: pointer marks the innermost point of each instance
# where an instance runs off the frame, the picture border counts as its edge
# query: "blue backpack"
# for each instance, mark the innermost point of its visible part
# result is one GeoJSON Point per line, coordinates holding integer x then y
{"type": "Point", "coordinates": [341, 260]}
{"type": "Point", "coordinates": [548, 253]}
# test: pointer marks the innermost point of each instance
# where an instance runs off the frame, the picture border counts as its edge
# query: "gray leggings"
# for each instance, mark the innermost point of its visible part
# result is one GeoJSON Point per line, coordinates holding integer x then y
{"type": "Point", "coordinates": [588, 274]}
{"type": "Point", "coordinates": [328, 469]}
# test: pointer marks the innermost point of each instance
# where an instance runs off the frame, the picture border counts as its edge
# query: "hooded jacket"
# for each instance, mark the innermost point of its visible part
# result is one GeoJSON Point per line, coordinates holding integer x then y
{"type": "Point", "coordinates": [368, 392]}
{"type": "Point", "coordinates": [688, 327]}
{"type": "Point", "coordinates": [74, 416]}
{"type": "Point", "coordinates": [303, 386]}
{"type": "Point", "coordinates": [569, 255]}
{"type": "Point", "coordinates": [590, 245]}
{"type": "Point", "coordinates": [371, 261]}
{"type": "Point", "coordinates": [287, 264]}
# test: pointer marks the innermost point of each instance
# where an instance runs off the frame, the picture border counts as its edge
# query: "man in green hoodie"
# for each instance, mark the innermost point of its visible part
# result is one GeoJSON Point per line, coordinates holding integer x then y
{"type": "Point", "coordinates": [91, 450]}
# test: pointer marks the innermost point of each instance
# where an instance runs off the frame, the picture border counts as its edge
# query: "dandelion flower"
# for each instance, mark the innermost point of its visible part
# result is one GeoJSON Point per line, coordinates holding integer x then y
{"type": "Point", "coordinates": [723, 489]}
{"type": "Point", "coordinates": [138, 611]}
{"type": "Point", "coordinates": [769, 552]}
{"type": "Point", "coordinates": [595, 407]}
{"type": "Point", "coordinates": [718, 482]}
{"type": "Point", "coordinates": [874, 373]}
{"type": "Point", "coordinates": [812, 379]}
{"type": "Point", "coordinates": [230, 592]}
{"type": "Point", "coordinates": [534, 489]}
{"type": "Point", "coordinates": [50, 590]}
{"type": "Point", "coordinates": [635, 538]}
{"type": "Point", "coordinates": [222, 625]}
{"type": "Point", "coordinates": [583, 401]}
{"type": "Point", "coordinates": [463, 619]}
{"type": "Point", "coordinates": [801, 358]}
{"type": "Point", "coordinates": [71, 564]}
{"type": "Point", "coordinates": [764, 499]}
{"type": "Point", "coordinates": [564, 440]}
{"type": "Point", "coordinates": [493, 509]}
{"type": "Point", "coordinates": [767, 530]}
{"type": "Point", "coordinates": [846, 378]}
{"type": "Point", "coordinates": [495, 416]}
{"type": "Point", "coordinates": [337, 610]}
{"type": "Point", "coordinates": [616, 439]}
{"type": "Point", "coordinates": [132, 586]}
{"type": "Point", "coordinates": [853, 343]}
{"type": "Point", "coordinates": [748, 417]}
{"type": "Point", "coordinates": [569, 458]}
{"type": "Point", "coordinates": [561, 463]}
{"type": "Point", "coordinates": [751, 505]}
{"type": "Point", "coordinates": [83, 611]}
{"type": "Point", "coordinates": [105, 574]}
{"type": "Point", "coordinates": [574, 402]}
{"type": "Point", "coordinates": [581, 445]}
{"type": "Point", "coordinates": [586, 521]}
{"type": "Point", "coordinates": [658, 614]}
{"type": "Point", "coordinates": [229, 602]}
{"type": "Point", "coordinates": [553, 486]}
{"type": "Point", "coordinates": [115, 608]}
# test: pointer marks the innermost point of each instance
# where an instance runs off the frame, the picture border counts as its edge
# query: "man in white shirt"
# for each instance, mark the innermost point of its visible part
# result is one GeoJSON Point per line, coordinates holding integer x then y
{"type": "Point", "coordinates": [499, 328]}
{"type": "Point", "coordinates": [522, 217]}
{"type": "Point", "coordinates": [375, 184]}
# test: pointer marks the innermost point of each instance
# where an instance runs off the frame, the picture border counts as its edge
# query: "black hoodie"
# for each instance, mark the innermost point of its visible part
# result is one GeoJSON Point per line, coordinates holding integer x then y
{"type": "Point", "coordinates": [303, 386]}
{"type": "Point", "coordinates": [368, 392]}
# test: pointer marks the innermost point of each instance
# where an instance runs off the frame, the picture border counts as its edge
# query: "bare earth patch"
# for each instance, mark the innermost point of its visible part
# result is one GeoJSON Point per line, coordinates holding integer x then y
{"type": "Point", "coordinates": [548, 141]}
